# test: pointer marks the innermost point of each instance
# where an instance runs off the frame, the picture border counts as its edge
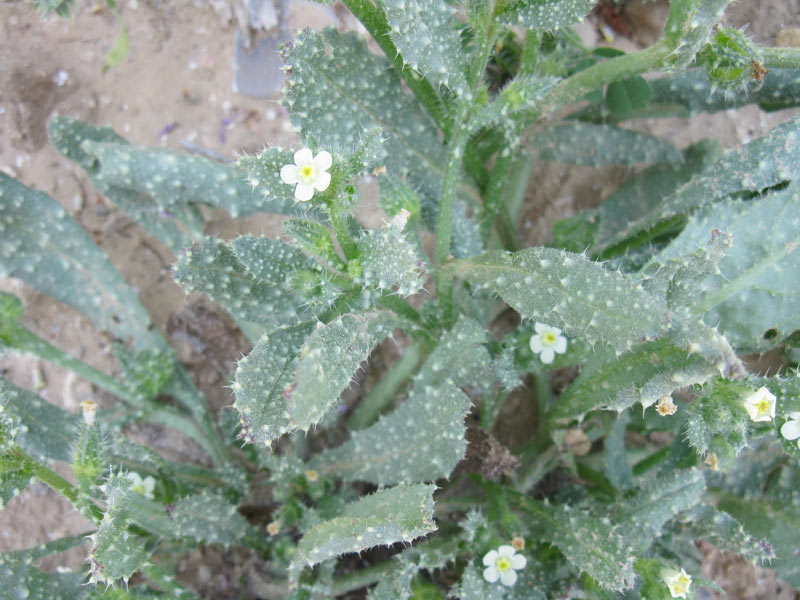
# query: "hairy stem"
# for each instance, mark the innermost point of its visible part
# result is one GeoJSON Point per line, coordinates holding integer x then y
{"type": "Point", "coordinates": [777, 58]}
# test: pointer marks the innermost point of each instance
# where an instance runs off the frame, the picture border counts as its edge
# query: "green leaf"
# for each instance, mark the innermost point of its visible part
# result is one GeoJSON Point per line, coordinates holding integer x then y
{"type": "Point", "coordinates": [592, 545]}
{"type": "Point", "coordinates": [653, 586]}
{"type": "Point", "coordinates": [595, 230]}
{"type": "Point", "coordinates": [430, 45]}
{"type": "Point", "coordinates": [460, 358]}
{"type": "Point", "coordinates": [753, 167]}
{"type": "Point", "coordinates": [389, 261]}
{"type": "Point", "coordinates": [41, 429]}
{"type": "Point", "coordinates": [21, 580]}
{"type": "Point", "coordinates": [627, 95]}
{"type": "Point", "coordinates": [210, 519]}
{"type": "Point", "coordinates": [717, 420]}
{"type": "Point", "coordinates": [756, 289]}
{"type": "Point", "coordinates": [315, 239]}
{"type": "Point", "coordinates": [262, 173]}
{"type": "Point", "coordinates": [14, 478]}
{"type": "Point", "coordinates": [617, 468]}
{"type": "Point", "coordinates": [327, 361]}
{"type": "Point", "coordinates": [474, 587]}
{"type": "Point", "coordinates": [643, 375]}
{"type": "Point", "coordinates": [544, 14]}
{"type": "Point", "coordinates": [513, 103]}
{"type": "Point", "coordinates": [261, 378]}
{"type": "Point", "coordinates": [704, 522]}
{"type": "Point", "coordinates": [211, 266]}
{"type": "Point", "coordinates": [597, 145]}
{"type": "Point", "coordinates": [401, 446]}
{"type": "Point", "coordinates": [571, 292]}
{"type": "Point", "coordinates": [398, 514]}
{"type": "Point", "coordinates": [119, 51]}
{"type": "Point", "coordinates": [643, 515]}
{"type": "Point", "coordinates": [689, 27]}
{"type": "Point", "coordinates": [44, 246]}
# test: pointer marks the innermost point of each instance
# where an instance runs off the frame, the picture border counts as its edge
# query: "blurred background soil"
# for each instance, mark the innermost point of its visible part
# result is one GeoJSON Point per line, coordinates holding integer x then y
{"type": "Point", "coordinates": [174, 90]}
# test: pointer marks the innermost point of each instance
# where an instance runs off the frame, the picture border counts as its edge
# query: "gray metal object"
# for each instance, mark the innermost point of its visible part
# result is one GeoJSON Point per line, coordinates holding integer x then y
{"type": "Point", "coordinates": [258, 67]}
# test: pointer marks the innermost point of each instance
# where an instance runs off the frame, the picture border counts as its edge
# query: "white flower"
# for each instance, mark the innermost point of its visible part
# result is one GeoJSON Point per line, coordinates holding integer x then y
{"type": "Point", "coordinates": [791, 429]}
{"type": "Point", "coordinates": [89, 409]}
{"type": "Point", "coordinates": [760, 405]}
{"type": "Point", "coordinates": [547, 341]}
{"type": "Point", "coordinates": [145, 486]}
{"type": "Point", "coordinates": [309, 172]}
{"type": "Point", "coordinates": [678, 583]}
{"type": "Point", "coordinates": [502, 564]}
{"type": "Point", "coordinates": [665, 406]}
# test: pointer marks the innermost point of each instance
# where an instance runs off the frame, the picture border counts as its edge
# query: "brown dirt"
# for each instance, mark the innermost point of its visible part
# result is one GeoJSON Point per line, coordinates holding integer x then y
{"type": "Point", "coordinates": [179, 73]}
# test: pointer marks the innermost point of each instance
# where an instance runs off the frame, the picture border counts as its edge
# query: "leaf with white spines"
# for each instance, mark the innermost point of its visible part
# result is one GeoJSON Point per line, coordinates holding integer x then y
{"type": "Point", "coordinates": [569, 291]}
{"type": "Point", "coordinates": [756, 289]}
{"type": "Point", "coordinates": [20, 579]}
{"type": "Point", "coordinates": [327, 361]}
{"type": "Point", "coordinates": [389, 261]}
{"type": "Point", "coordinates": [544, 14]}
{"type": "Point", "coordinates": [425, 33]}
{"type": "Point", "coordinates": [689, 27]}
{"type": "Point", "coordinates": [261, 378]}
{"type": "Point", "coordinates": [398, 514]}
{"type": "Point", "coordinates": [210, 519]}
{"type": "Point", "coordinates": [643, 515]}
{"type": "Point", "coordinates": [600, 144]}
{"type": "Point", "coordinates": [41, 429]}
{"type": "Point", "coordinates": [402, 447]}
{"type": "Point", "coordinates": [44, 246]}
{"type": "Point", "coordinates": [763, 163]}
{"type": "Point", "coordinates": [643, 374]}
{"type": "Point", "coordinates": [517, 98]}
{"type": "Point", "coordinates": [460, 358]}
{"type": "Point", "coordinates": [313, 238]}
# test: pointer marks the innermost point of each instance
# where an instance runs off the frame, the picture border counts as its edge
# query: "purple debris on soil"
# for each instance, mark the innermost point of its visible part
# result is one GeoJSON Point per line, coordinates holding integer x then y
{"type": "Point", "coordinates": [169, 128]}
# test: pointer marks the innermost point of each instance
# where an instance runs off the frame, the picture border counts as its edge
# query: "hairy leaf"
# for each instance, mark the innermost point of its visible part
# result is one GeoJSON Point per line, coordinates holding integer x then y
{"type": "Point", "coordinates": [327, 361]}
{"type": "Point", "coordinates": [544, 14]}
{"type": "Point", "coordinates": [398, 514]}
{"type": "Point", "coordinates": [389, 261]}
{"type": "Point", "coordinates": [21, 580]}
{"type": "Point", "coordinates": [596, 145]}
{"type": "Point", "coordinates": [401, 446]}
{"type": "Point", "coordinates": [209, 518]}
{"type": "Point", "coordinates": [617, 468]}
{"type": "Point", "coordinates": [689, 27]}
{"type": "Point", "coordinates": [261, 378]}
{"type": "Point", "coordinates": [643, 515]}
{"type": "Point", "coordinates": [755, 290]}
{"type": "Point", "coordinates": [312, 237]}
{"type": "Point", "coordinates": [568, 291]}
{"type": "Point", "coordinates": [426, 35]}
{"type": "Point", "coordinates": [642, 375]}
{"type": "Point", "coordinates": [41, 429]}
{"type": "Point", "coordinates": [43, 245]}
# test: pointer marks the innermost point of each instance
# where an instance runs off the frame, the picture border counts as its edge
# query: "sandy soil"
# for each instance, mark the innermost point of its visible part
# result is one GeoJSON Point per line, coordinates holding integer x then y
{"type": "Point", "coordinates": [176, 86]}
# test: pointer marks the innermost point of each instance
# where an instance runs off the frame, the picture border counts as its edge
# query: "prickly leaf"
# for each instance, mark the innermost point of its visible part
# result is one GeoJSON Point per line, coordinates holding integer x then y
{"type": "Point", "coordinates": [544, 14]}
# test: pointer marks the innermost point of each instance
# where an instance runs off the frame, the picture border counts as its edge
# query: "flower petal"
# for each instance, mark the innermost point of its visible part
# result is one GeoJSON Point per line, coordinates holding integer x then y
{"type": "Point", "coordinates": [323, 160]}
{"type": "Point", "coordinates": [490, 557]}
{"type": "Point", "coordinates": [303, 192]}
{"type": "Point", "coordinates": [289, 174]}
{"type": "Point", "coordinates": [491, 574]}
{"type": "Point", "coordinates": [536, 344]}
{"type": "Point", "coordinates": [518, 561]}
{"type": "Point", "coordinates": [506, 550]}
{"type": "Point", "coordinates": [303, 157]}
{"type": "Point", "coordinates": [540, 328]}
{"type": "Point", "coordinates": [547, 356]}
{"type": "Point", "coordinates": [555, 331]}
{"type": "Point", "coordinates": [791, 430]}
{"type": "Point", "coordinates": [508, 578]}
{"type": "Point", "coordinates": [560, 345]}
{"type": "Point", "coordinates": [322, 181]}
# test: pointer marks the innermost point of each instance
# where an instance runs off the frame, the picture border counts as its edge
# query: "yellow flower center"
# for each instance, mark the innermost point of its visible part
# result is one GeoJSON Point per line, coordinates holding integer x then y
{"type": "Point", "coordinates": [763, 407]}
{"type": "Point", "coordinates": [503, 564]}
{"type": "Point", "coordinates": [549, 338]}
{"type": "Point", "coordinates": [681, 584]}
{"type": "Point", "coordinates": [306, 172]}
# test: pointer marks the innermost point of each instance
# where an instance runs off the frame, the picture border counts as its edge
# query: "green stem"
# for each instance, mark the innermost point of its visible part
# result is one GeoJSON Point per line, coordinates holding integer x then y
{"type": "Point", "coordinates": [373, 19]}
{"type": "Point", "coordinates": [530, 52]}
{"type": "Point", "coordinates": [55, 481]}
{"type": "Point", "coordinates": [25, 340]}
{"type": "Point", "coordinates": [544, 397]}
{"type": "Point", "coordinates": [776, 58]}
{"type": "Point", "coordinates": [364, 577]}
{"type": "Point", "coordinates": [401, 307]}
{"type": "Point", "coordinates": [600, 74]}
{"type": "Point", "coordinates": [386, 389]}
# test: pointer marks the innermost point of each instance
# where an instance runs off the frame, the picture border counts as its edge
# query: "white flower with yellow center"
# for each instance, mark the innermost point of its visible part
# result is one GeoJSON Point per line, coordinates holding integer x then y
{"type": "Point", "coordinates": [791, 429]}
{"type": "Point", "coordinates": [503, 564]}
{"type": "Point", "coordinates": [760, 405]}
{"type": "Point", "coordinates": [547, 342]}
{"type": "Point", "coordinates": [309, 172]}
{"type": "Point", "coordinates": [145, 486]}
{"type": "Point", "coordinates": [678, 583]}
